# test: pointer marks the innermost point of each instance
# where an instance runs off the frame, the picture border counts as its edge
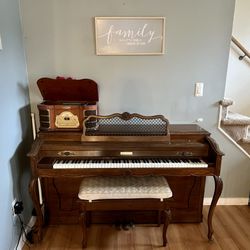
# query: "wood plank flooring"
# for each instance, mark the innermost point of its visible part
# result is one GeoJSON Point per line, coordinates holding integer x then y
{"type": "Point", "coordinates": [231, 226]}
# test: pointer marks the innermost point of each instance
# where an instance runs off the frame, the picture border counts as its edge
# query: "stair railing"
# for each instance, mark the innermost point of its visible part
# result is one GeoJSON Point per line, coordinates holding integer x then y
{"type": "Point", "coordinates": [241, 47]}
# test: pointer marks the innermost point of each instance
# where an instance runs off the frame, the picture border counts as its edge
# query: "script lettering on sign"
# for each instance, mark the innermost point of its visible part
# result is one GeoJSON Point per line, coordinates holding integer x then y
{"type": "Point", "coordinates": [125, 36]}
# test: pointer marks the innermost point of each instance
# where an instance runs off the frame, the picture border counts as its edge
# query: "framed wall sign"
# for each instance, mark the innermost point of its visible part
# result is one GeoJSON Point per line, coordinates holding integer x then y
{"type": "Point", "coordinates": [130, 35]}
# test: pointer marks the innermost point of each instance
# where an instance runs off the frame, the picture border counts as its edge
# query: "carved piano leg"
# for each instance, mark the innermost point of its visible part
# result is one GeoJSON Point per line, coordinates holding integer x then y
{"type": "Point", "coordinates": [167, 218]}
{"type": "Point", "coordinates": [216, 196]}
{"type": "Point", "coordinates": [37, 228]}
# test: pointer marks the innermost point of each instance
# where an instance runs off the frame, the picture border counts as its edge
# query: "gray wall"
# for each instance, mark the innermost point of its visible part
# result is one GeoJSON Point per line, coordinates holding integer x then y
{"type": "Point", "coordinates": [59, 40]}
{"type": "Point", "coordinates": [15, 124]}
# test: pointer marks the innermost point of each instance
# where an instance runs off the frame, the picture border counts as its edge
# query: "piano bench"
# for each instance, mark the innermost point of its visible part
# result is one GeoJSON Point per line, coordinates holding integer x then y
{"type": "Point", "coordinates": [124, 193]}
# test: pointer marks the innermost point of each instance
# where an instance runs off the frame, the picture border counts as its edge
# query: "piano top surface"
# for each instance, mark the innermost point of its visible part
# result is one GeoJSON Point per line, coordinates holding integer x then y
{"type": "Point", "coordinates": [183, 138]}
{"type": "Point", "coordinates": [175, 131]}
{"type": "Point", "coordinates": [186, 129]}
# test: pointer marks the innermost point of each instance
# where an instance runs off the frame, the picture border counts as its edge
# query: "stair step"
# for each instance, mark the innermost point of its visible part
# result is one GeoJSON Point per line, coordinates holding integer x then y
{"type": "Point", "coordinates": [236, 119]}
{"type": "Point", "coordinates": [247, 139]}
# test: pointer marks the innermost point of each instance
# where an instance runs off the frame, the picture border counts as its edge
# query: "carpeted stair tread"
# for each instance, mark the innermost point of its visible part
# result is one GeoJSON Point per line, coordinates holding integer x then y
{"type": "Point", "coordinates": [236, 119]}
{"type": "Point", "coordinates": [246, 140]}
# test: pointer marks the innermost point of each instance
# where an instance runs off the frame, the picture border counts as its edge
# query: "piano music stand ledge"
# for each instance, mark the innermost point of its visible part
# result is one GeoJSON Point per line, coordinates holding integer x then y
{"type": "Point", "coordinates": [124, 193]}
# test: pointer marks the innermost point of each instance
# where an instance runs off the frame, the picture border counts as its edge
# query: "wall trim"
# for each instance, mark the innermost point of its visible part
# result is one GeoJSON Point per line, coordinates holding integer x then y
{"type": "Point", "coordinates": [27, 229]}
{"type": "Point", "coordinates": [227, 201]}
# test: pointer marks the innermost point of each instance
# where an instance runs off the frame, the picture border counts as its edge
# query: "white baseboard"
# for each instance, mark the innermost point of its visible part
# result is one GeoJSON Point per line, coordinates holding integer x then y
{"type": "Point", "coordinates": [227, 201]}
{"type": "Point", "coordinates": [27, 229]}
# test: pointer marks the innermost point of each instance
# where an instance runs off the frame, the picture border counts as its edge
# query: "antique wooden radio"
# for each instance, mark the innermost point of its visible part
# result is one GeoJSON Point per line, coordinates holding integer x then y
{"type": "Point", "coordinates": [67, 102]}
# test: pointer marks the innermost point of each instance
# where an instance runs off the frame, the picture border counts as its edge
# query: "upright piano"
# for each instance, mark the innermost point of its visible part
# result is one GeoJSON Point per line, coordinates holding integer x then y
{"type": "Point", "coordinates": [123, 144]}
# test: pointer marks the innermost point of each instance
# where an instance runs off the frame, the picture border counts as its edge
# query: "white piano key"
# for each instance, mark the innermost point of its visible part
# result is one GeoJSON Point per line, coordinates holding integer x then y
{"type": "Point", "coordinates": [128, 163]}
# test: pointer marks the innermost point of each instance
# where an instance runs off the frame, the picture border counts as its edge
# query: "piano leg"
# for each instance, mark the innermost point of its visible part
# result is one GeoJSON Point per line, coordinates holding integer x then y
{"type": "Point", "coordinates": [217, 192]}
{"type": "Point", "coordinates": [37, 228]}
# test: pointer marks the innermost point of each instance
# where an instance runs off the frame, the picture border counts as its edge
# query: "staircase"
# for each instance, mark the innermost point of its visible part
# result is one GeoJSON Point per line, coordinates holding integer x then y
{"type": "Point", "coordinates": [235, 125]}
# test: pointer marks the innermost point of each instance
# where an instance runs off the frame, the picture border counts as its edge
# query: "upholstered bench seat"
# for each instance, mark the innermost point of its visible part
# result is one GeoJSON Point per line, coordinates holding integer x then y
{"type": "Point", "coordinates": [124, 187]}
{"type": "Point", "coordinates": [124, 193]}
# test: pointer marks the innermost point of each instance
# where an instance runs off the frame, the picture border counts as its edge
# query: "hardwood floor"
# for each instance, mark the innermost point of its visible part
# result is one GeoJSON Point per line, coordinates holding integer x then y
{"type": "Point", "coordinates": [231, 226]}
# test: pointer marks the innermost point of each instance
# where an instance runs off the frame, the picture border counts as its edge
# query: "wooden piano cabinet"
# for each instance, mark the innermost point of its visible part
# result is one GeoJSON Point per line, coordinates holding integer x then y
{"type": "Point", "coordinates": [60, 186]}
{"type": "Point", "coordinates": [186, 206]}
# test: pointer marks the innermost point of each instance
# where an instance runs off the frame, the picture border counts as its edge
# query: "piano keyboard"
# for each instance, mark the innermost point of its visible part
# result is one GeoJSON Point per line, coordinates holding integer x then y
{"type": "Point", "coordinates": [128, 163]}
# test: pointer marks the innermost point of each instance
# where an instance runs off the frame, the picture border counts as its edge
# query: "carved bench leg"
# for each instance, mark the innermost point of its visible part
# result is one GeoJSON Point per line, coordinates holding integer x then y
{"type": "Point", "coordinates": [159, 218]}
{"type": "Point", "coordinates": [88, 219]}
{"type": "Point", "coordinates": [167, 218]}
{"type": "Point", "coordinates": [84, 229]}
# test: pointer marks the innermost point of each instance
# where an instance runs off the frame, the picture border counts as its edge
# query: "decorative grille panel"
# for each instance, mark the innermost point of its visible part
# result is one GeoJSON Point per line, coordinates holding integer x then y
{"type": "Point", "coordinates": [126, 125]}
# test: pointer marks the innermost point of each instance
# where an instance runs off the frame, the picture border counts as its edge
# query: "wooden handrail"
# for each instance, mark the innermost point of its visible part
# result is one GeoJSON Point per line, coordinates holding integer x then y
{"type": "Point", "coordinates": [241, 47]}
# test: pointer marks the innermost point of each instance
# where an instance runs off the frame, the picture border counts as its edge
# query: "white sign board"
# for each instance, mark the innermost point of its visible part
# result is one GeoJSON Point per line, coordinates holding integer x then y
{"type": "Point", "coordinates": [129, 35]}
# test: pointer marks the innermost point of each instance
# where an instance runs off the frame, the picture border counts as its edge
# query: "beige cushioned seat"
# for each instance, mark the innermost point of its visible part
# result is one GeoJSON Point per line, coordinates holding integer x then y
{"type": "Point", "coordinates": [124, 187]}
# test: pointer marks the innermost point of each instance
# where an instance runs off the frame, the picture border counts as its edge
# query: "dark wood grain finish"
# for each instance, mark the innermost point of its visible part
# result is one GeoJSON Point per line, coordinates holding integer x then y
{"type": "Point", "coordinates": [186, 203]}
{"type": "Point", "coordinates": [66, 103]}
{"type": "Point", "coordinates": [60, 186]}
{"type": "Point", "coordinates": [50, 111]}
{"type": "Point", "coordinates": [68, 90]}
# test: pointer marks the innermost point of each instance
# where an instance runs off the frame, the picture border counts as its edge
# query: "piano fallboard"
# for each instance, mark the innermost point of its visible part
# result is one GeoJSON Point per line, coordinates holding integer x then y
{"type": "Point", "coordinates": [73, 150]}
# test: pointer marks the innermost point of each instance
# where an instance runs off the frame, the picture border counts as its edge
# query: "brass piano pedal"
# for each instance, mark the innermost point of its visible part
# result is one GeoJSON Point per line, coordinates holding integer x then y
{"type": "Point", "coordinates": [128, 225]}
